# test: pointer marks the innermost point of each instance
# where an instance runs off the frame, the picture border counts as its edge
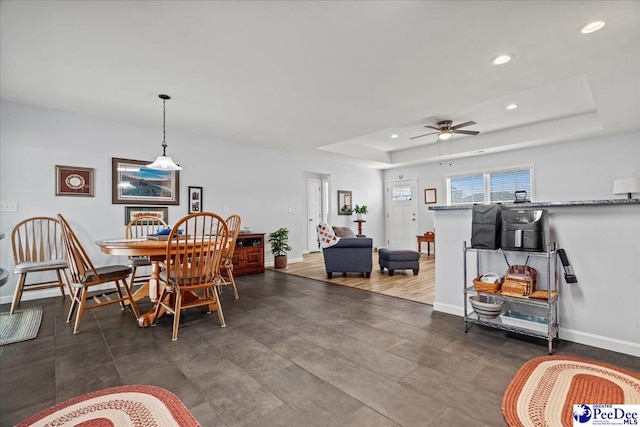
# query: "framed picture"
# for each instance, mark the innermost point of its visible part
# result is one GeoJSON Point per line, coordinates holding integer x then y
{"type": "Point", "coordinates": [132, 182]}
{"type": "Point", "coordinates": [74, 181]}
{"type": "Point", "coordinates": [344, 202]}
{"type": "Point", "coordinates": [195, 199]}
{"type": "Point", "coordinates": [430, 196]}
{"type": "Point", "coordinates": [130, 212]}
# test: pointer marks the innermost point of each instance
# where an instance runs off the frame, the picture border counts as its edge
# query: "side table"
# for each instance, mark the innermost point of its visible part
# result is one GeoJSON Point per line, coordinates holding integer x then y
{"type": "Point", "coordinates": [428, 238]}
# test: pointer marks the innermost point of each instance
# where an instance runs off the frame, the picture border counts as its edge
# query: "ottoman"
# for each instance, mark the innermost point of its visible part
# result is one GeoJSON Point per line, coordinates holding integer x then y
{"type": "Point", "coordinates": [399, 259]}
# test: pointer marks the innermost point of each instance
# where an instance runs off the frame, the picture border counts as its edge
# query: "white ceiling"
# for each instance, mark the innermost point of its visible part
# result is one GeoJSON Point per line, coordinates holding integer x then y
{"type": "Point", "coordinates": [332, 78]}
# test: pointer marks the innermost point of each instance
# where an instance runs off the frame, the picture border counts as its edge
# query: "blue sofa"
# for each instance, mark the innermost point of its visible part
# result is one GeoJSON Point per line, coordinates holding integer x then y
{"type": "Point", "coordinates": [354, 255]}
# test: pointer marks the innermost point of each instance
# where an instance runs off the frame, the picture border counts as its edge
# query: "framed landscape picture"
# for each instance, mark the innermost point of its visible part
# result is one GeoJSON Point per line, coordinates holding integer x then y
{"type": "Point", "coordinates": [133, 182]}
{"type": "Point", "coordinates": [74, 181]}
{"type": "Point", "coordinates": [195, 199]}
{"type": "Point", "coordinates": [130, 212]}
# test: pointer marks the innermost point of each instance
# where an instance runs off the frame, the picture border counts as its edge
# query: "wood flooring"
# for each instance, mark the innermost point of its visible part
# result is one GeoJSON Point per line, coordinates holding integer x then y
{"type": "Point", "coordinates": [403, 284]}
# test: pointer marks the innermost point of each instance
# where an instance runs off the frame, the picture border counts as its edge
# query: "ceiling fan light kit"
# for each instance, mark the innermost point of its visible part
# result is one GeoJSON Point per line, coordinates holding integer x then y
{"type": "Point", "coordinates": [164, 162]}
{"type": "Point", "coordinates": [444, 129]}
{"type": "Point", "coordinates": [501, 59]}
{"type": "Point", "coordinates": [592, 27]}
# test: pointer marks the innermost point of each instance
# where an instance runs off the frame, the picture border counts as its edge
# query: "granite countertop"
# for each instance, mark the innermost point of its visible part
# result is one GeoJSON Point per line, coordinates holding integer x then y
{"type": "Point", "coordinates": [612, 202]}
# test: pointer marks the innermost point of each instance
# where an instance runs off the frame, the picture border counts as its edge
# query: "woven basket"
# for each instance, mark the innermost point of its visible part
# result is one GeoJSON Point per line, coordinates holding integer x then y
{"type": "Point", "coordinates": [489, 288]}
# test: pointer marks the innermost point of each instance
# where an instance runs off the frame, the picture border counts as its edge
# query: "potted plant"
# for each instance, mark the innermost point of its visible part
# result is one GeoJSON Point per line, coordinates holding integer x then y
{"type": "Point", "coordinates": [361, 211]}
{"type": "Point", "coordinates": [346, 210]}
{"type": "Point", "coordinates": [279, 240]}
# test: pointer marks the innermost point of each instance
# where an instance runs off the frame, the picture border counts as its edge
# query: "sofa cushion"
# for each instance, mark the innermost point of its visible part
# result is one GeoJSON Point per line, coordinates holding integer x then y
{"type": "Point", "coordinates": [343, 232]}
{"type": "Point", "coordinates": [326, 236]}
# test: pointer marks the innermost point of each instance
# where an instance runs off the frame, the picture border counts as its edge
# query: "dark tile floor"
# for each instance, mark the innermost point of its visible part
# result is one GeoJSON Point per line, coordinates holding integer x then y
{"type": "Point", "coordinates": [295, 352]}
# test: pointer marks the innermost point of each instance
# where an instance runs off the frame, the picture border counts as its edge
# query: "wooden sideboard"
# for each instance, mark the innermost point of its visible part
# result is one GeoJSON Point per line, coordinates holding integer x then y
{"type": "Point", "coordinates": [248, 257]}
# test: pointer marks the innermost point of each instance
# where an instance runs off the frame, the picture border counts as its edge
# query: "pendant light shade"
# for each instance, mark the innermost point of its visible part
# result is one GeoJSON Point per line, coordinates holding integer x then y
{"type": "Point", "coordinates": [164, 162]}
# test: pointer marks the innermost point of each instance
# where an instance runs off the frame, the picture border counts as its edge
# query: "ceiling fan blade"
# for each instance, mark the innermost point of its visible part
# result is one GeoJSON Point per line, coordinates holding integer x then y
{"type": "Point", "coordinates": [466, 132]}
{"type": "Point", "coordinates": [433, 127]}
{"type": "Point", "coordinates": [461, 125]}
{"type": "Point", "coordinates": [420, 136]}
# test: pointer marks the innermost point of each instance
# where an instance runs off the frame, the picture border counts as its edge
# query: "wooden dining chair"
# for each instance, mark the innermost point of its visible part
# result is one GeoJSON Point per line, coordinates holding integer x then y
{"type": "Point", "coordinates": [38, 248]}
{"type": "Point", "coordinates": [226, 266]}
{"type": "Point", "coordinates": [192, 266]}
{"type": "Point", "coordinates": [140, 227]}
{"type": "Point", "coordinates": [84, 275]}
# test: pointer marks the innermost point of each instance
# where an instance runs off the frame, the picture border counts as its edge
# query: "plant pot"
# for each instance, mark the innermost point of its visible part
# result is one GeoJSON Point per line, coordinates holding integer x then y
{"type": "Point", "coordinates": [360, 217]}
{"type": "Point", "coordinates": [280, 261]}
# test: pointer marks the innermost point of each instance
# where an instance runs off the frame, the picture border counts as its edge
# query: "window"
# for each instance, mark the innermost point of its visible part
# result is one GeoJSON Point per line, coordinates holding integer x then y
{"type": "Point", "coordinates": [489, 186]}
{"type": "Point", "coordinates": [401, 193]}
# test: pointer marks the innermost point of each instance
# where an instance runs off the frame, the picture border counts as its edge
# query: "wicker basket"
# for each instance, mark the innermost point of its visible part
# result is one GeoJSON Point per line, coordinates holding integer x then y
{"type": "Point", "coordinates": [489, 288]}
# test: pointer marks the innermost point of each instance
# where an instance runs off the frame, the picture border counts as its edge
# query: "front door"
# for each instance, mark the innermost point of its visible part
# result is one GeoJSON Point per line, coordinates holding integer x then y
{"type": "Point", "coordinates": [402, 213]}
{"type": "Point", "coordinates": [314, 213]}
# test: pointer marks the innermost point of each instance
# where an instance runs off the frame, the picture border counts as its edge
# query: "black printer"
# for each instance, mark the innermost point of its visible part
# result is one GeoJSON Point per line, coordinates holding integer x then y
{"type": "Point", "coordinates": [525, 230]}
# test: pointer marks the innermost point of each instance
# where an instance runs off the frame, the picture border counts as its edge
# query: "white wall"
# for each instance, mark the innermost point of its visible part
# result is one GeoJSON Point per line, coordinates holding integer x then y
{"type": "Point", "coordinates": [259, 184]}
{"type": "Point", "coordinates": [602, 242]}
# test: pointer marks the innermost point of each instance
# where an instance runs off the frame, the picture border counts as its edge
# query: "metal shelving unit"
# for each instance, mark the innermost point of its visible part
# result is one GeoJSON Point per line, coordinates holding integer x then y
{"type": "Point", "coordinates": [548, 307]}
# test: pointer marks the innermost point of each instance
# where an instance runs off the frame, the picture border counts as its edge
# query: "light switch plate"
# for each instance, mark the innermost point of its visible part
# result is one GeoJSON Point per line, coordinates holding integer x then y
{"type": "Point", "coordinates": [9, 206]}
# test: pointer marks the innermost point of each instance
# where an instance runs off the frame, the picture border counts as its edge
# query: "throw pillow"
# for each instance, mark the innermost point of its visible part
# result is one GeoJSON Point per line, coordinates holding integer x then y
{"type": "Point", "coordinates": [343, 232]}
{"type": "Point", "coordinates": [326, 236]}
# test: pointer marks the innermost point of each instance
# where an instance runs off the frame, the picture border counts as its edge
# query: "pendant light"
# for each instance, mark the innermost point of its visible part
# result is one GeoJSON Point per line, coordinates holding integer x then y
{"type": "Point", "coordinates": [164, 162]}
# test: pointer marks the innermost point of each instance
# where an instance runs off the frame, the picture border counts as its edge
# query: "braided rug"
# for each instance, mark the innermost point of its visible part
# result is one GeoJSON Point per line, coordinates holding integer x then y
{"type": "Point", "coordinates": [544, 390]}
{"type": "Point", "coordinates": [137, 405]}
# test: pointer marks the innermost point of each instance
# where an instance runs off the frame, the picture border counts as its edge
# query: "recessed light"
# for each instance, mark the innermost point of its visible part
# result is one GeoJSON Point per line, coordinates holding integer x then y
{"type": "Point", "coordinates": [394, 136]}
{"type": "Point", "coordinates": [502, 59]}
{"type": "Point", "coordinates": [512, 106]}
{"type": "Point", "coordinates": [592, 27]}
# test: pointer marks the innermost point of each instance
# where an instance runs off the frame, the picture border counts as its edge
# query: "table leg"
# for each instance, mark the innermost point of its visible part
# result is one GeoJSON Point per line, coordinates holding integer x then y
{"type": "Point", "coordinates": [428, 248]}
{"type": "Point", "coordinates": [146, 319]}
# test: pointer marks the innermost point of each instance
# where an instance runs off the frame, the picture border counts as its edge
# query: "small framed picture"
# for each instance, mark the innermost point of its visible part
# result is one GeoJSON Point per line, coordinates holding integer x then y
{"type": "Point", "coordinates": [195, 199]}
{"type": "Point", "coordinates": [74, 181]}
{"type": "Point", "coordinates": [130, 212]}
{"type": "Point", "coordinates": [430, 196]}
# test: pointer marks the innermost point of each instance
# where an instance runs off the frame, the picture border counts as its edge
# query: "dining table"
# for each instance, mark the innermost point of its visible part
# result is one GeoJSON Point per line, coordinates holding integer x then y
{"type": "Point", "coordinates": [156, 250]}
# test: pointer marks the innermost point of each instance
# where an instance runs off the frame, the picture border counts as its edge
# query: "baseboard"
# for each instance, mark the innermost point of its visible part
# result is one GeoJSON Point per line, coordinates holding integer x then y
{"type": "Point", "coordinates": [620, 346]}
{"type": "Point", "coordinates": [289, 261]}
{"type": "Point", "coordinates": [448, 308]}
{"type": "Point", "coordinates": [48, 293]}
{"type": "Point", "coordinates": [612, 344]}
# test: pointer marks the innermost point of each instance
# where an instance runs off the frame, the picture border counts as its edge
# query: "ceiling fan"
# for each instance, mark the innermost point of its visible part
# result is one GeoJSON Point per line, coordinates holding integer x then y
{"type": "Point", "coordinates": [445, 130]}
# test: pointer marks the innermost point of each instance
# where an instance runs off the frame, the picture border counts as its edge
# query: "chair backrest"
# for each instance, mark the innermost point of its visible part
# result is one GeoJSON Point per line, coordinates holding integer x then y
{"type": "Point", "coordinates": [233, 224]}
{"type": "Point", "coordinates": [143, 225]}
{"type": "Point", "coordinates": [77, 258]}
{"type": "Point", "coordinates": [37, 239]}
{"type": "Point", "coordinates": [194, 257]}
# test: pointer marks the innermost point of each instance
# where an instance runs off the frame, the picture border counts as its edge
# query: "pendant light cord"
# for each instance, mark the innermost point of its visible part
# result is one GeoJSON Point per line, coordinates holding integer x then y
{"type": "Point", "coordinates": [164, 127]}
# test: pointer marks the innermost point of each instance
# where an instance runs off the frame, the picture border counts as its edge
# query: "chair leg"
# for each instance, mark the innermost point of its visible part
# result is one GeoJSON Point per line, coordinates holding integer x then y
{"type": "Point", "coordinates": [233, 282]}
{"type": "Point", "coordinates": [158, 305]}
{"type": "Point", "coordinates": [67, 283]}
{"type": "Point", "coordinates": [220, 315]}
{"type": "Point", "coordinates": [17, 295]}
{"type": "Point", "coordinates": [75, 296]}
{"type": "Point", "coordinates": [83, 301]}
{"type": "Point", "coordinates": [132, 303]}
{"type": "Point", "coordinates": [176, 315]}
{"type": "Point", "coordinates": [119, 292]}
{"type": "Point", "coordinates": [132, 278]}
{"type": "Point", "coordinates": [60, 283]}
